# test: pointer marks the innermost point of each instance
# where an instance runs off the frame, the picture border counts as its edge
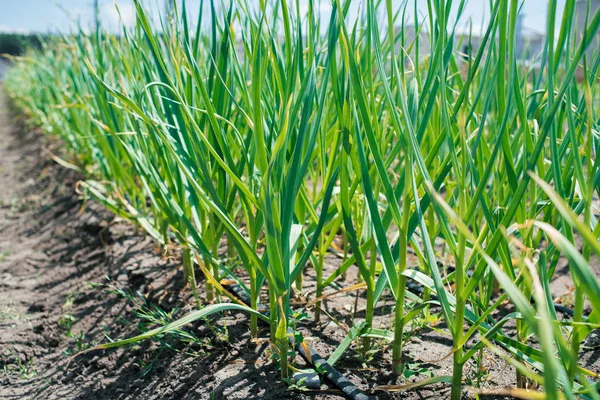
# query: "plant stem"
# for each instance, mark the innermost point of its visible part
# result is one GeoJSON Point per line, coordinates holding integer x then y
{"type": "Point", "coordinates": [281, 338]}
{"type": "Point", "coordinates": [397, 365]}
{"type": "Point", "coordinates": [253, 300]}
{"type": "Point", "coordinates": [577, 337]}
{"type": "Point", "coordinates": [282, 345]}
{"type": "Point", "coordinates": [188, 268]}
{"type": "Point", "coordinates": [370, 298]}
{"type": "Point", "coordinates": [457, 372]}
{"type": "Point", "coordinates": [319, 277]}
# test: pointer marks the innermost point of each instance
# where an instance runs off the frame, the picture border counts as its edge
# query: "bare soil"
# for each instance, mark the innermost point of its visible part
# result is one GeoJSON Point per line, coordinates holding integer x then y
{"type": "Point", "coordinates": [63, 262]}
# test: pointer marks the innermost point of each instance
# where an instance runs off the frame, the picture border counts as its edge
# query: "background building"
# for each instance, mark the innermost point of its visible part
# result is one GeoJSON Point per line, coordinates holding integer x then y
{"type": "Point", "coordinates": [581, 9]}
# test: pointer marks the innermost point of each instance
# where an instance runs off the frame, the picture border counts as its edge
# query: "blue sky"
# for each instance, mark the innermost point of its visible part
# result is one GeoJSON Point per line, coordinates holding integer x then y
{"type": "Point", "coordinates": [50, 15]}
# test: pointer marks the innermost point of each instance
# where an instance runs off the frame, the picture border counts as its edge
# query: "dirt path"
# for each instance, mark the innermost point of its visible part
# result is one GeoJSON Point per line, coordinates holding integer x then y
{"type": "Point", "coordinates": [55, 262]}
{"type": "Point", "coordinates": [47, 254]}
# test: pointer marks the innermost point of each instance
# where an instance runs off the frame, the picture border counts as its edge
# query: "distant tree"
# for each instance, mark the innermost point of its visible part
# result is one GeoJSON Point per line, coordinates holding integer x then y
{"type": "Point", "coordinates": [15, 44]}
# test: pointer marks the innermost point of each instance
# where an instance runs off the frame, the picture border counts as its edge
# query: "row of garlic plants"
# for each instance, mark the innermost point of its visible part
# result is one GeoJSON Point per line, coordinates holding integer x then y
{"type": "Point", "coordinates": [287, 132]}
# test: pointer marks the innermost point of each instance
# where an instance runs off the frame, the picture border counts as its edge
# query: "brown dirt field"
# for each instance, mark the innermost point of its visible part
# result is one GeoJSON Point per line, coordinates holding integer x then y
{"type": "Point", "coordinates": [61, 264]}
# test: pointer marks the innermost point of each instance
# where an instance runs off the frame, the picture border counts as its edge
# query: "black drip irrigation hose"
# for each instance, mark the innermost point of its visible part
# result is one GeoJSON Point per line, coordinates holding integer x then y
{"type": "Point", "coordinates": [418, 288]}
{"type": "Point", "coordinates": [329, 372]}
{"type": "Point", "coordinates": [563, 309]}
{"type": "Point", "coordinates": [311, 356]}
{"type": "Point", "coordinates": [321, 365]}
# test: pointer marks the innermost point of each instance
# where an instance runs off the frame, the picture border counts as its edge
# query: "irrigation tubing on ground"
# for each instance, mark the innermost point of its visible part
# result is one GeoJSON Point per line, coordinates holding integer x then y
{"type": "Point", "coordinates": [310, 355]}
{"type": "Point", "coordinates": [418, 288]}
